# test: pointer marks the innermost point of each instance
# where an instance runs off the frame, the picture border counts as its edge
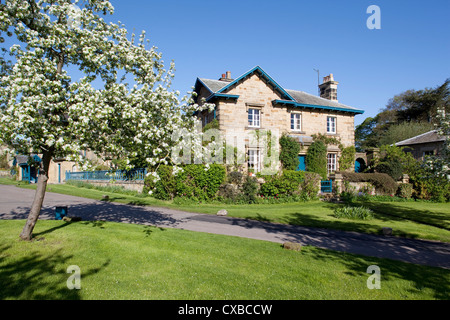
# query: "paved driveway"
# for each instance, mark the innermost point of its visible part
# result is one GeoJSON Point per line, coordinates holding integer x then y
{"type": "Point", "coordinates": [16, 202]}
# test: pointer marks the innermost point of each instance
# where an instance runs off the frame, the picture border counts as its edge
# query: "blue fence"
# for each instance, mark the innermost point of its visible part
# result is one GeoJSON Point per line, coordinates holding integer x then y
{"type": "Point", "coordinates": [327, 186]}
{"type": "Point", "coordinates": [119, 175]}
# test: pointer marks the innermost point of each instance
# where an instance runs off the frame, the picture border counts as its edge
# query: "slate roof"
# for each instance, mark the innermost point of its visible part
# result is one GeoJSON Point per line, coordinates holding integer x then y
{"type": "Point", "coordinates": [21, 159]}
{"type": "Point", "coordinates": [294, 98]}
{"type": "Point", "coordinates": [428, 137]}
{"type": "Point", "coordinates": [309, 99]}
{"type": "Point", "coordinates": [214, 85]}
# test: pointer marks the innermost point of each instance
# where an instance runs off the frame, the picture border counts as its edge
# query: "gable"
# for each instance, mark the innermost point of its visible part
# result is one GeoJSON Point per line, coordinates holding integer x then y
{"type": "Point", "coordinates": [263, 76]}
{"type": "Point", "coordinates": [296, 99]}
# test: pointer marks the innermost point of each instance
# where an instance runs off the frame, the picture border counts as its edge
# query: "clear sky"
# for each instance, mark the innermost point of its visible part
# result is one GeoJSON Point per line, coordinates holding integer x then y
{"type": "Point", "coordinates": [290, 38]}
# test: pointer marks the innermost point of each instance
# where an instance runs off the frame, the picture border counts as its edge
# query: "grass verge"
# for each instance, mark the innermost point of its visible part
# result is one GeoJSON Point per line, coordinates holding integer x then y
{"type": "Point", "coordinates": [124, 261]}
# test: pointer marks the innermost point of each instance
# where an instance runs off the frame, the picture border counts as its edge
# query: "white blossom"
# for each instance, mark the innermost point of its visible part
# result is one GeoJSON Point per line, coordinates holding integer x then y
{"type": "Point", "coordinates": [53, 110]}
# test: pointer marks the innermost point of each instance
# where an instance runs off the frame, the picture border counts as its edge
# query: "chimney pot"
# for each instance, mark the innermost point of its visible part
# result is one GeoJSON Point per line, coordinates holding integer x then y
{"type": "Point", "coordinates": [228, 75]}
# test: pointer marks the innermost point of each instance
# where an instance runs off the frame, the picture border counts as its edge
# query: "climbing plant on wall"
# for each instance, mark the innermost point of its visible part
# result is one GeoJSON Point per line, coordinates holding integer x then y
{"type": "Point", "coordinates": [347, 157]}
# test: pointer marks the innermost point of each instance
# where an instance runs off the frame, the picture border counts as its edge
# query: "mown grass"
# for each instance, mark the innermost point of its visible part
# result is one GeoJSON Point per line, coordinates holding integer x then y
{"type": "Point", "coordinates": [125, 261]}
{"type": "Point", "coordinates": [417, 220]}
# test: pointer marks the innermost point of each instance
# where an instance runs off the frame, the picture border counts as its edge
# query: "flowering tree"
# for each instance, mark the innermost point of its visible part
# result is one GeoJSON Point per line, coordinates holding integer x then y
{"type": "Point", "coordinates": [45, 107]}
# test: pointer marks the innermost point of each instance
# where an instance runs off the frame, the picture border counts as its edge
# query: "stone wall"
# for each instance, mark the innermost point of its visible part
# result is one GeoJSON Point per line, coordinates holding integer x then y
{"type": "Point", "coordinates": [127, 185]}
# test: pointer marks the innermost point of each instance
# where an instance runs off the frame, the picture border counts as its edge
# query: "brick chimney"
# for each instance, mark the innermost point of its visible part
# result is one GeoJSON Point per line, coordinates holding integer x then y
{"type": "Point", "coordinates": [328, 89]}
{"type": "Point", "coordinates": [226, 77]}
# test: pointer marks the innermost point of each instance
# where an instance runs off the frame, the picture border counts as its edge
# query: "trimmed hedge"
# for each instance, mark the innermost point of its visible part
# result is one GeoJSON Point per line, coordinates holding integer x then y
{"type": "Point", "coordinates": [381, 181]}
{"type": "Point", "coordinates": [286, 184]}
{"type": "Point", "coordinates": [194, 182]}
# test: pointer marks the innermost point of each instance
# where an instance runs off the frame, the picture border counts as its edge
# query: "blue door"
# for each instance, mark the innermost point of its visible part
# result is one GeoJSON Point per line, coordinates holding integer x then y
{"type": "Point", "coordinates": [25, 173]}
{"type": "Point", "coordinates": [360, 165]}
{"type": "Point", "coordinates": [301, 163]}
{"type": "Point", "coordinates": [357, 166]}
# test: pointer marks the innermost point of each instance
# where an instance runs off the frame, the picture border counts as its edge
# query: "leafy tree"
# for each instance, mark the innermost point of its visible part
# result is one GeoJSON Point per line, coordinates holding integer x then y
{"type": "Point", "coordinates": [424, 105]}
{"type": "Point", "coordinates": [394, 161]}
{"type": "Point", "coordinates": [405, 130]}
{"type": "Point", "coordinates": [418, 108]}
{"type": "Point", "coordinates": [45, 107]}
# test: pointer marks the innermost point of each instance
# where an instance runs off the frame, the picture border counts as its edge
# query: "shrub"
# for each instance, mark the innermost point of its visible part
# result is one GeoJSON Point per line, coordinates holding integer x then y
{"type": "Point", "coordinates": [316, 158]}
{"type": "Point", "coordinates": [382, 182]}
{"type": "Point", "coordinates": [164, 188]}
{"type": "Point", "coordinates": [405, 190]}
{"type": "Point", "coordinates": [428, 185]}
{"type": "Point", "coordinates": [250, 189]}
{"type": "Point", "coordinates": [391, 168]}
{"type": "Point", "coordinates": [193, 182]}
{"type": "Point", "coordinates": [4, 161]}
{"type": "Point", "coordinates": [229, 191]}
{"type": "Point", "coordinates": [289, 150]}
{"type": "Point", "coordinates": [235, 177]}
{"type": "Point", "coordinates": [356, 213]}
{"type": "Point", "coordinates": [287, 184]}
{"type": "Point", "coordinates": [310, 186]}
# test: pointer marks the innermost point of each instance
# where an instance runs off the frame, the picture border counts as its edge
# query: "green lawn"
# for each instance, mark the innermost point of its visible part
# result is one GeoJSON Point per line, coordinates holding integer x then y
{"type": "Point", "coordinates": [420, 220]}
{"type": "Point", "coordinates": [124, 261]}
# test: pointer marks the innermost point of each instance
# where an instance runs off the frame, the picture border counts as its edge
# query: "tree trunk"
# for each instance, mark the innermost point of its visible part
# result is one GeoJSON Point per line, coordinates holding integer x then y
{"type": "Point", "coordinates": [27, 231]}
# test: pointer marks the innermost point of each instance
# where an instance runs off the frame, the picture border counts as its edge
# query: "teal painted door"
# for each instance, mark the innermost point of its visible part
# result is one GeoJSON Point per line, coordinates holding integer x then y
{"type": "Point", "coordinates": [25, 173]}
{"type": "Point", "coordinates": [357, 166]}
{"type": "Point", "coordinates": [302, 163]}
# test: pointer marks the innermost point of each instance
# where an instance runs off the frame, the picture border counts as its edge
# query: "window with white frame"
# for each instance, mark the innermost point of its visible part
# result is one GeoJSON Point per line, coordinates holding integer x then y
{"type": "Point", "coordinates": [331, 162]}
{"type": "Point", "coordinates": [296, 121]}
{"type": "Point", "coordinates": [254, 116]}
{"type": "Point", "coordinates": [331, 124]}
{"type": "Point", "coordinates": [254, 160]}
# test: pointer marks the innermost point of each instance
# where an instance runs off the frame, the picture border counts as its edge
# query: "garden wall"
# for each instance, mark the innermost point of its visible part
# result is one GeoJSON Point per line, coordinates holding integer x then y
{"type": "Point", "coordinates": [127, 185]}
{"type": "Point", "coordinates": [368, 183]}
{"type": "Point", "coordinates": [5, 173]}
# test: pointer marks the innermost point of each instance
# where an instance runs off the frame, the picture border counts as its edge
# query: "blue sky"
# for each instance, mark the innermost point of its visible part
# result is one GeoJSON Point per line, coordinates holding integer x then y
{"type": "Point", "coordinates": [288, 39]}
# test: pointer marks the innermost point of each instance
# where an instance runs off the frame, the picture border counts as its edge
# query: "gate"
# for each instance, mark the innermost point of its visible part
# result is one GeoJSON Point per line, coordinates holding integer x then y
{"type": "Point", "coordinates": [327, 186]}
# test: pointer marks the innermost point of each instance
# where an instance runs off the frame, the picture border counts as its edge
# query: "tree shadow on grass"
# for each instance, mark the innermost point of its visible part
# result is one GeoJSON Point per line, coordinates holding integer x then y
{"type": "Point", "coordinates": [302, 219]}
{"type": "Point", "coordinates": [354, 237]}
{"type": "Point", "coordinates": [38, 276]}
{"type": "Point", "coordinates": [395, 212]}
{"type": "Point", "coordinates": [98, 212]}
{"type": "Point", "coordinates": [436, 280]}
{"type": "Point", "coordinates": [148, 230]}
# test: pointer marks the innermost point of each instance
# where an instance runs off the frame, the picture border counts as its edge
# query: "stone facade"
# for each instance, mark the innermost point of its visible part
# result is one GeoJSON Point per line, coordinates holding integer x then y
{"type": "Point", "coordinates": [254, 92]}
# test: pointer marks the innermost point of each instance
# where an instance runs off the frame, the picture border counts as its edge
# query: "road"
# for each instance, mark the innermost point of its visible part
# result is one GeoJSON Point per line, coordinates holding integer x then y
{"type": "Point", "coordinates": [15, 204]}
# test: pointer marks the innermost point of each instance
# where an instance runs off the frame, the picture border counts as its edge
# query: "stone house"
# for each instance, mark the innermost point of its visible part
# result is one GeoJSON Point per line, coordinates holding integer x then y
{"type": "Point", "coordinates": [426, 144]}
{"type": "Point", "coordinates": [255, 101]}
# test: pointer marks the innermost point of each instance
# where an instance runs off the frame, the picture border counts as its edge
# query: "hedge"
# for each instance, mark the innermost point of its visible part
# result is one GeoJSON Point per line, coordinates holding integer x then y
{"type": "Point", "coordinates": [193, 182]}
{"type": "Point", "coordinates": [286, 184]}
{"type": "Point", "coordinates": [381, 181]}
